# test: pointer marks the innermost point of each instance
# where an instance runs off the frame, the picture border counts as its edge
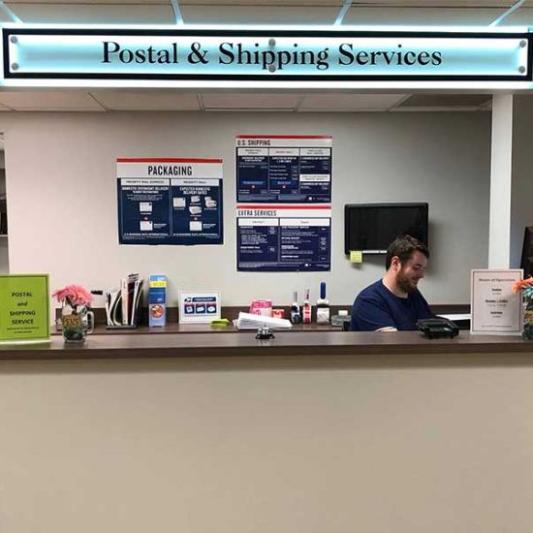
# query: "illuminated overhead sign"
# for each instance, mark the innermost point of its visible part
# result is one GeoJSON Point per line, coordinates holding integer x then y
{"type": "Point", "coordinates": [191, 56]}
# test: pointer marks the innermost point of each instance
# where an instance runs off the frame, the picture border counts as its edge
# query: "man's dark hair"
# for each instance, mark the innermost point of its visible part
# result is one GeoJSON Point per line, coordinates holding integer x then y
{"type": "Point", "coordinates": [403, 247]}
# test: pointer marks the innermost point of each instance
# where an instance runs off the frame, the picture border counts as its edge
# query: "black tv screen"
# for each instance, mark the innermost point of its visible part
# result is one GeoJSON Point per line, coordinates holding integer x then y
{"type": "Point", "coordinates": [372, 227]}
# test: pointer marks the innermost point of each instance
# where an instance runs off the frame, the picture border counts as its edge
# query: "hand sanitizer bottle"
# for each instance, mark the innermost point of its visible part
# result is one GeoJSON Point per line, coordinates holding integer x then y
{"type": "Point", "coordinates": [296, 316]}
{"type": "Point", "coordinates": [322, 306]}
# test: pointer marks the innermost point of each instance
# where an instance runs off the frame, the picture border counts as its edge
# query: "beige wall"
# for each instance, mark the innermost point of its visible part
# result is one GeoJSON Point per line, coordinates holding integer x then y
{"type": "Point", "coordinates": [61, 185]}
{"type": "Point", "coordinates": [374, 444]}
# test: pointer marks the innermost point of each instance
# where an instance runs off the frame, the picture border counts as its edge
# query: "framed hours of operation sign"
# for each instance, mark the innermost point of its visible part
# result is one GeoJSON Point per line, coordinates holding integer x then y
{"type": "Point", "coordinates": [495, 308]}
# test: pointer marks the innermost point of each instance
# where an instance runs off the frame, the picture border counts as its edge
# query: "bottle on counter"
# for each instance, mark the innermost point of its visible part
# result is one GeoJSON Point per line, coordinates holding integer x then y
{"type": "Point", "coordinates": [322, 306]}
{"type": "Point", "coordinates": [306, 309]}
{"type": "Point", "coordinates": [296, 316]}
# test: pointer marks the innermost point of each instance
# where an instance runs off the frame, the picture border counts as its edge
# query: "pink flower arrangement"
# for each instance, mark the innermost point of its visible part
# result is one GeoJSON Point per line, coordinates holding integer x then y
{"type": "Point", "coordinates": [73, 295]}
{"type": "Point", "coordinates": [525, 286]}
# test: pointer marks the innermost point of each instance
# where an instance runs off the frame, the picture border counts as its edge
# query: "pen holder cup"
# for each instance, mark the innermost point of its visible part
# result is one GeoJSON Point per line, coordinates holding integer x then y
{"type": "Point", "coordinates": [527, 332]}
{"type": "Point", "coordinates": [76, 323]}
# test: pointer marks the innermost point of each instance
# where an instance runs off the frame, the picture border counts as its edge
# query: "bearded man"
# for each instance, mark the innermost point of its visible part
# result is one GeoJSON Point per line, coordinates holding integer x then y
{"type": "Point", "coordinates": [394, 302]}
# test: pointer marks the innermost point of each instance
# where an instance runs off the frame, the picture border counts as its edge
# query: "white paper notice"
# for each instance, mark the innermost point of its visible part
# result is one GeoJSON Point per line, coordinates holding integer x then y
{"type": "Point", "coordinates": [495, 308]}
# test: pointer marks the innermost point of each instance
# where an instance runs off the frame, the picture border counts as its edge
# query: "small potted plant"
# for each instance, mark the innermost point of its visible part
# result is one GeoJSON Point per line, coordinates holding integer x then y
{"type": "Point", "coordinates": [525, 286]}
{"type": "Point", "coordinates": [76, 318]}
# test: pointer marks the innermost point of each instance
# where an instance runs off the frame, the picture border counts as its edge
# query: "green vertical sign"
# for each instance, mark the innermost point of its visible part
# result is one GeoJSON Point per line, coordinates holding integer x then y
{"type": "Point", "coordinates": [24, 307]}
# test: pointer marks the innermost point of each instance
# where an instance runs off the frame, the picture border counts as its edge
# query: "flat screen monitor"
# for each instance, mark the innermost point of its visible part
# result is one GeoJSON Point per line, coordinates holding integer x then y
{"type": "Point", "coordinates": [371, 228]}
{"type": "Point", "coordinates": [527, 252]}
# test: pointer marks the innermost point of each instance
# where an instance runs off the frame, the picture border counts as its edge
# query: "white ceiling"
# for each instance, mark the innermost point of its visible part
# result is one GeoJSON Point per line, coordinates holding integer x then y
{"type": "Point", "coordinates": [280, 12]}
{"type": "Point", "coordinates": [461, 12]}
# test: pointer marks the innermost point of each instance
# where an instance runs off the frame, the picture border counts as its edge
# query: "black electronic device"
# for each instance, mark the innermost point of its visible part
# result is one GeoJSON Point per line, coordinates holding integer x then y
{"type": "Point", "coordinates": [526, 263]}
{"type": "Point", "coordinates": [3, 215]}
{"type": "Point", "coordinates": [264, 333]}
{"type": "Point", "coordinates": [436, 328]}
{"type": "Point", "coordinates": [370, 228]}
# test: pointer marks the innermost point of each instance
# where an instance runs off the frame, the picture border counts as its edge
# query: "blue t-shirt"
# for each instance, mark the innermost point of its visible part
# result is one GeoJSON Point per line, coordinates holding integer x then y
{"type": "Point", "coordinates": [376, 307]}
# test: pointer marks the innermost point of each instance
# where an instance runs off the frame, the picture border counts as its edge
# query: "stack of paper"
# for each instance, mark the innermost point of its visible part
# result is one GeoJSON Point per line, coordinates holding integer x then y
{"type": "Point", "coordinates": [249, 321]}
{"type": "Point", "coordinates": [457, 316]}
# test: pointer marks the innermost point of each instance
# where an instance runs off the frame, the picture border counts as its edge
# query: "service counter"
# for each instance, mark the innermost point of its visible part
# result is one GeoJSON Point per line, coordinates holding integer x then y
{"type": "Point", "coordinates": [311, 431]}
{"type": "Point", "coordinates": [199, 341]}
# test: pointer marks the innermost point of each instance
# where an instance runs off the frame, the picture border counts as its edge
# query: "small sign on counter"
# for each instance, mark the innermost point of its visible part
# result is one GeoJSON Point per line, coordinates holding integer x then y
{"type": "Point", "coordinates": [199, 307]}
{"type": "Point", "coordinates": [495, 308]}
{"type": "Point", "coordinates": [24, 313]}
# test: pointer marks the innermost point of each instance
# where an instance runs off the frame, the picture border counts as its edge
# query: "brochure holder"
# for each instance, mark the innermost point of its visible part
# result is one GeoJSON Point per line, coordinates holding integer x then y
{"type": "Point", "coordinates": [122, 306]}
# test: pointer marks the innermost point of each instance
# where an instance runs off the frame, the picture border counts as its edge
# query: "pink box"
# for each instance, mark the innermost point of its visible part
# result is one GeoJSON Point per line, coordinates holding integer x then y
{"type": "Point", "coordinates": [261, 307]}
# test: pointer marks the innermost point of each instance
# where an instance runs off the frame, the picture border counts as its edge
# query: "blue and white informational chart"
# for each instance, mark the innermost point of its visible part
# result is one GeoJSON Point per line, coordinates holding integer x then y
{"type": "Point", "coordinates": [284, 168]}
{"type": "Point", "coordinates": [278, 238]}
{"type": "Point", "coordinates": [170, 201]}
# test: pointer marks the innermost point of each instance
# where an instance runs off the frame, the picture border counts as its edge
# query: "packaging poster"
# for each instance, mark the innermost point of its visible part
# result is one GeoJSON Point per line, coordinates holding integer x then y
{"type": "Point", "coordinates": [170, 201]}
{"type": "Point", "coordinates": [284, 168]}
{"type": "Point", "coordinates": [199, 307]}
{"type": "Point", "coordinates": [283, 238]}
{"type": "Point", "coordinates": [495, 308]}
{"type": "Point", "coordinates": [25, 309]}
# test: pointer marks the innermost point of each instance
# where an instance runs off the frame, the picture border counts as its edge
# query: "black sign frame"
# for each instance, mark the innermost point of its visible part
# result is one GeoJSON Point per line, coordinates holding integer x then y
{"type": "Point", "coordinates": [7, 32]}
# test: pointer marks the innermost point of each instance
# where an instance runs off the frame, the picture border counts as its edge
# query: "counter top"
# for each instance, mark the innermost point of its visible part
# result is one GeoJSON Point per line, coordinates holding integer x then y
{"type": "Point", "coordinates": [175, 345]}
{"type": "Point", "coordinates": [175, 327]}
